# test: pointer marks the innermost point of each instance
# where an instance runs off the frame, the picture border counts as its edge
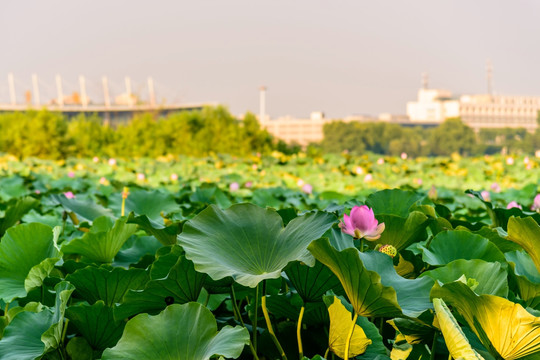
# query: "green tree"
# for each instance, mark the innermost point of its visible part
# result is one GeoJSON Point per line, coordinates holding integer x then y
{"type": "Point", "coordinates": [452, 136]}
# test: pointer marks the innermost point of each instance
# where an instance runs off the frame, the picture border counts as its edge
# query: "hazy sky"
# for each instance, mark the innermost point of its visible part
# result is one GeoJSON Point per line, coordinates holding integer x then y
{"type": "Point", "coordinates": [341, 57]}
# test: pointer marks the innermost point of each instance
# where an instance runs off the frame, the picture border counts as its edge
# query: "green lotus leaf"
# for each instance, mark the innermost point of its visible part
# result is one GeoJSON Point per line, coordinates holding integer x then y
{"type": "Point", "coordinates": [103, 241]}
{"type": "Point", "coordinates": [393, 202]}
{"type": "Point", "coordinates": [31, 334]}
{"type": "Point", "coordinates": [498, 237]}
{"type": "Point", "coordinates": [491, 276]}
{"type": "Point", "coordinates": [448, 246]}
{"type": "Point", "coordinates": [86, 210]}
{"type": "Point", "coordinates": [249, 243]}
{"type": "Point", "coordinates": [109, 285]}
{"type": "Point", "coordinates": [525, 277]}
{"type": "Point", "coordinates": [53, 336]}
{"type": "Point", "coordinates": [26, 254]}
{"type": "Point", "coordinates": [136, 248]}
{"type": "Point", "coordinates": [180, 332]}
{"type": "Point", "coordinates": [146, 202]}
{"type": "Point", "coordinates": [312, 283]}
{"type": "Point", "coordinates": [182, 284]}
{"type": "Point", "coordinates": [96, 324]}
{"type": "Point", "coordinates": [22, 337]}
{"type": "Point", "coordinates": [401, 232]}
{"type": "Point", "coordinates": [367, 294]}
{"type": "Point", "coordinates": [526, 232]}
{"type": "Point", "coordinates": [505, 328]}
{"type": "Point", "coordinates": [78, 348]}
{"type": "Point", "coordinates": [412, 294]}
{"type": "Point", "coordinates": [14, 212]}
{"type": "Point", "coordinates": [166, 235]}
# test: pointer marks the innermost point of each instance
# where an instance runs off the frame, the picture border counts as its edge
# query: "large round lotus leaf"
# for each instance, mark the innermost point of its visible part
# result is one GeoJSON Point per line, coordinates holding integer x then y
{"type": "Point", "coordinates": [180, 332]}
{"type": "Point", "coordinates": [490, 277]}
{"type": "Point", "coordinates": [25, 250]}
{"type": "Point", "coordinates": [448, 246]}
{"type": "Point", "coordinates": [367, 294]}
{"type": "Point", "coordinates": [526, 278]}
{"type": "Point", "coordinates": [412, 294]}
{"type": "Point", "coordinates": [249, 243]}
{"type": "Point", "coordinates": [393, 201]}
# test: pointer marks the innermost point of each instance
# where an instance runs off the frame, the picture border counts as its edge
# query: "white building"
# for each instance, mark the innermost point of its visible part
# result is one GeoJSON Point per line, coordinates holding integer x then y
{"type": "Point", "coordinates": [433, 105]}
{"type": "Point", "coordinates": [477, 111]}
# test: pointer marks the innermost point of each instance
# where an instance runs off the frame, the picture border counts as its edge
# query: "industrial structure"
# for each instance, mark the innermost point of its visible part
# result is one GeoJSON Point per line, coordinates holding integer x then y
{"type": "Point", "coordinates": [119, 108]}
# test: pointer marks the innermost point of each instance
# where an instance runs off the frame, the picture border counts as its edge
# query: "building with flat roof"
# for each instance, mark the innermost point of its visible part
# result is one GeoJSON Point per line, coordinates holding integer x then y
{"type": "Point", "coordinates": [477, 111]}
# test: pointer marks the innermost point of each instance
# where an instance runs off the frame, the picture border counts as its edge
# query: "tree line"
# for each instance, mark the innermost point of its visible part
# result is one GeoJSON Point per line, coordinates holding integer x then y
{"type": "Point", "coordinates": [451, 136]}
{"type": "Point", "coordinates": [213, 130]}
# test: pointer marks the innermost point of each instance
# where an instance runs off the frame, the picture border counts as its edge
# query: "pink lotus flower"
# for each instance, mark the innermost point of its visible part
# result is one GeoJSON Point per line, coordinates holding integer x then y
{"type": "Point", "coordinates": [95, 159]}
{"type": "Point", "coordinates": [174, 177]}
{"type": "Point", "coordinates": [71, 174]}
{"type": "Point", "coordinates": [495, 187]}
{"type": "Point", "coordinates": [112, 161]}
{"type": "Point", "coordinates": [404, 155]}
{"type": "Point", "coordinates": [536, 203]}
{"type": "Point", "coordinates": [141, 177]}
{"type": "Point", "coordinates": [486, 195]}
{"type": "Point", "coordinates": [368, 178]}
{"type": "Point", "coordinates": [248, 184]}
{"type": "Point", "coordinates": [307, 188]}
{"type": "Point", "coordinates": [103, 180]}
{"type": "Point", "coordinates": [69, 195]}
{"type": "Point", "coordinates": [513, 204]}
{"type": "Point", "coordinates": [509, 160]}
{"type": "Point", "coordinates": [234, 186]}
{"type": "Point", "coordinates": [362, 224]}
{"type": "Point", "coordinates": [380, 161]}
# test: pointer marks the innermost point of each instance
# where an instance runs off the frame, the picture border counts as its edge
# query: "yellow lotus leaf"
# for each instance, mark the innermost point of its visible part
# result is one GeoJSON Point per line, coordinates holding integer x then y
{"type": "Point", "coordinates": [455, 339]}
{"type": "Point", "coordinates": [502, 326]}
{"type": "Point", "coordinates": [340, 324]}
{"type": "Point", "coordinates": [404, 268]}
{"type": "Point", "coordinates": [409, 338]}
{"type": "Point", "coordinates": [401, 354]}
{"type": "Point", "coordinates": [526, 232]}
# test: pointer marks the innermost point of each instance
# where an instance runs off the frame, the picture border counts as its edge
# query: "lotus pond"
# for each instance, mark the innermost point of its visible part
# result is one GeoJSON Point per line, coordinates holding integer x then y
{"type": "Point", "coordinates": [270, 258]}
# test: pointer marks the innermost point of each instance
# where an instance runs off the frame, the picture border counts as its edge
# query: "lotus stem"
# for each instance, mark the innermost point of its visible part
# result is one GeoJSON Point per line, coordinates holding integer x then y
{"type": "Point", "coordinates": [64, 331]}
{"type": "Point", "coordinates": [237, 313]}
{"type": "Point", "coordinates": [349, 336]}
{"type": "Point", "coordinates": [326, 353]}
{"type": "Point", "coordinates": [270, 329]}
{"type": "Point", "coordinates": [125, 194]}
{"type": "Point", "coordinates": [299, 334]}
{"type": "Point", "coordinates": [432, 357]}
{"type": "Point", "coordinates": [254, 322]}
{"type": "Point", "coordinates": [362, 245]}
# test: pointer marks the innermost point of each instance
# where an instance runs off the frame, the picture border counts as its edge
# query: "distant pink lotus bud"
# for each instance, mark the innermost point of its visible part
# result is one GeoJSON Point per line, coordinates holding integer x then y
{"type": "Point", "coordinates": [307, 188]}
{"type": "Point", "coordinates": [509, 160]}
{"type": "Point", "coordinates": [300, 182]}
{"type": "Point", "coordinates": [380, 161]}
{"type": "Point", "coordinates": [536, 203]}
{"type": "Point", "coordinates": [254, 166]}
{"type": "Point", "coordinates": [37, 191]}
{"type": "Point", "coordinates": [234, 186]}
{"type": "Point", "coordinates": [174, 177]}
{"type": "Point", "coordinates": [112, 161]}
{"type": "Point", "coordinates": [495, 187]}
{"type": "Point", "coordinates": [486, 195]}
{"type": "Point", "coordinates": [418, 181]}
{"type": "Point", "coordinates": [513, 204]}
{"type": "Point", "coordinates": [71, 174]}
{"type": "Point", "coordinates": [404, 155]}
{"type": "Point", "coordinates": [69, 195]}
{"type": "Point", "coordinates": [359, 170]}
{"type": "Point", "coordinates": [103, 181]}
{"type": "Point", "coordinates": [529, 166]}
{"type": "Point", "coordinates": [141, 177]}
{"type": "Point", "coordinates": [537, 153]}
{"type": "Point", "coordinates": [526, 160]}
{"type": "Point", "coordinates": [362, 224]}
{"type": "Point", "coordinates": [368, 178]}
{"type": "Point", "coordinates": [95, 159]}
{"type": "Point", "coordinates": [249, 184]}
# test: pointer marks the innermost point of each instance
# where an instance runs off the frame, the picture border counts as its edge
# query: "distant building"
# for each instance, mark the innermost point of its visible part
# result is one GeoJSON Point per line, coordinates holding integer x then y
{"type": "Point", "coordinates": [433, 105]}
{"type": "Point", "coordinates": [477, 111]}
{"type": "Point", "coordinates": [299, 131]}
